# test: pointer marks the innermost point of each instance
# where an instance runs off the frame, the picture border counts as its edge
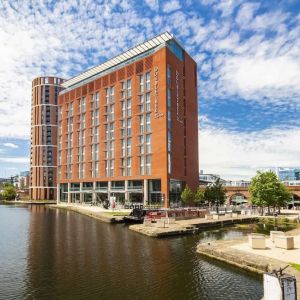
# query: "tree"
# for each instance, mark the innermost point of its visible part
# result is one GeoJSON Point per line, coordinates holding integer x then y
{"type": "Point", "coordinates": [199, 195]}
{"type": "Point", "coordinates": [187, 195]}
{"type": "Point", "coordinates": [9, 192]}
{"type": "Point", "coordinates": [267, 191]}
{"type": "Point", "coordinates": [215, 193]}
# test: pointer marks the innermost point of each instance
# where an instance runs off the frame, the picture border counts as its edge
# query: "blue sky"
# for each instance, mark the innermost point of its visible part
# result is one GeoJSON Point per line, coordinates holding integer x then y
{"type": "Point", "coordinates": [248, 66]}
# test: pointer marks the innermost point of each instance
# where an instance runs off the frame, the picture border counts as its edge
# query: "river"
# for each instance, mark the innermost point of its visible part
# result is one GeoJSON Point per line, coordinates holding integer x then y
{"type": "Point", "coordinates": [55, 254]}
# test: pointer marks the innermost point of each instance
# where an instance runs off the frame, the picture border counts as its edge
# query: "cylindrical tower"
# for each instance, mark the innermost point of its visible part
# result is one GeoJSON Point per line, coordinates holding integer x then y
{"type": "Point", "coordinates": [43, 154]}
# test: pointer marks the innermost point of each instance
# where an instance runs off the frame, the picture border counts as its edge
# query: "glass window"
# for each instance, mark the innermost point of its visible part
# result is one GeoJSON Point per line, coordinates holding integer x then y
{"type": "Point", "coordinates": [148, 108]}
{"type": "Point", "coordinates": [106, 96]}
{"type": "Point", "coordinates": [128, 127]}
{"type": "Point", "coordinates": [129, 88]}
{"type": "Point", "coordinates": [148, 122]}
{"type": "Point", "coordinates": [129, 108]}
{"type": "Point", "coordinates": [169, 97]}
{"type": "Point", "coordinates": [169, 75]}
{"type": "Point", "coordinates": [112, 94]}
{"type": "Point", "coordinates": [141, 124]}
{"type": "Point", "coordinates": [148, 143]}
{"type": "Point", "coordinates": [141, 165]}
{"type": "Point", "coordinates": [148, 81]}
{"type": "Point", "coordinates": [128, 146]}
{"type": "Point", "coordinates": [169, 141]}
{"type": "Point", "coordinates": [128, 166]}
{"type": "Point", "coordinates": [169, 119]}
{"type": "Point", "coordinates": [111, 172]}
{"type": "Point", "coordinates": [97, 100]}
{"type": "Point", "coordinates": [141, 79]}
{"type": "Point", "coordinates": [148, 164]}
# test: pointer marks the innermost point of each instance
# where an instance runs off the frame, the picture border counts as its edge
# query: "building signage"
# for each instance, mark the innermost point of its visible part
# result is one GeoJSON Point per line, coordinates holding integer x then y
{"type": "Point", "coordinates": [178, 104]}
{"type": "Point", "coordinates": [157, 114]}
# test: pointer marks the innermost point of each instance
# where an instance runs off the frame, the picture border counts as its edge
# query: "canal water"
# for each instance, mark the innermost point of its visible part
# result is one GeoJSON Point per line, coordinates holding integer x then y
{"type": "Point", "coordinates": [55, 254]}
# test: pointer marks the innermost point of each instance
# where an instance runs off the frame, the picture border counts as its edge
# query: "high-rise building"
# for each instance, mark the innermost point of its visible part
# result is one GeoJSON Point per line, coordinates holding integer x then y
{"type": "Point", "coordinates": [128, 128]}
{"type": "Point", "coordinates": [43, 153]}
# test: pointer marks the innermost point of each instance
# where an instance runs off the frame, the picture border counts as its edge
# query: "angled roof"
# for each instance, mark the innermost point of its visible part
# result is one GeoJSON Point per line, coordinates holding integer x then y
{"type": "Point", "coordinates": [137, 50]}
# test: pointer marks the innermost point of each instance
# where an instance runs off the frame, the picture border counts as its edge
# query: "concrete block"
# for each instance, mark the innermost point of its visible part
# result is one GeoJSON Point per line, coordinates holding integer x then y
{"type": "Point", "coordinates": [160, 223]}
{"type": "Point", "coordinates": [215, 217]}
{"type": "Point", "coordinates": [284, 242]}
{"type": "Point", "coordinates": [228, 215]}
{"type": "Point", "coordinates": [148, 222]}
{"type": "Point", "coordinates": [235, 215]}
{"type": "Point", "coordinates": [257, 241]}
{"type": "Point", "coordinates": [208, 217]}
{"type": "Point", "coordinates": [274, 233]}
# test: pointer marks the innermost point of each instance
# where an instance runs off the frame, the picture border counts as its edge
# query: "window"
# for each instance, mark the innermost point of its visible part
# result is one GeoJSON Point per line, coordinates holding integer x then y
{"type": "Point", "coordinates": [148, 143]}
{"type": "Point", "coordinates": [112, 114]}
{"type": "Point", "coordinates": [148, 102]}
{"type": "Point", "coordinates": [111, 149]}
{"type": "Point", "coordinates": [129, 88]}
{"type": "Point", "coordinates": [128, 146]}
{"type": "Point", "coordinates": [169, 141]}
{"type": "Point", "coordinates": [169, 163]}
{"type": "Point", "coordinates": [141, 145]}
{"type": "Point", "coordinates": [106, 168]}
{"type": "Point", "coordinates": [123, 109]}
{"type": "Point", "coordinates": [169, 119]}
{"type": "Point", "coordinates": [148, 122]}
{"type": "Point", "coordinates": [129, 166]}
{"type": "Point", "coordinates": [97, 100]}
{"type": "Point", "coordinates": [106, 96]}
{"type": "Point", "coordinates": [148, 81]}
{"type": "Point", "coordinates": [106, 132]}
{"type": "Point", "coordinates": [122, 147]}
{"type": "Point", "coordinates": [112, 94]}
{"type": "Point", "coordinates": [169, 75]}
{"type": "Point", "coordinates": [141, 79]}
{"type": "Point", "coordinates": [141, 104]}
{"type": "Point", "coordinates": [169, 97]}
{"type": "Point", "coordinates": [123, 166]}
{"type": "Point", "coordinates": [129, 108]}
{"type": "Point", "coordinates": [97, 117]}
{"type": "Point", "coordinates": [128, 127]}
{"type": "Point", "coordinates": [141, 124]}
{"type": "Point", "coordinates": [148, 164]}
{"type": "Point", "coordinates": [111, 169]}
{"type": "Point", "coordinates": [141, 165]}
{"type": "Point", "coordinates": [111, 130]}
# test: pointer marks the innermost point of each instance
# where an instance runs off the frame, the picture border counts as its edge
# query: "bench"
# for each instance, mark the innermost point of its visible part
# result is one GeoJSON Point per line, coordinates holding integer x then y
{"type": "Point", "coordinates": [257, 241]}
{"type": "Point", "coordinates": [284, 242]}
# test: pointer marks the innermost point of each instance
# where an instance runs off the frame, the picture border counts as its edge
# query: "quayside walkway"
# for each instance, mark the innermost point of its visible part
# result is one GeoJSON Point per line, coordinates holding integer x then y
{"type": "Point", "coordinates": [190, 226]}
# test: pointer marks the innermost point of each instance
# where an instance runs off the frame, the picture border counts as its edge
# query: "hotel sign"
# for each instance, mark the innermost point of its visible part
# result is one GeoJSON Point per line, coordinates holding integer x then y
{"type": "Point", "coordinates": [179, 106]}
{"type": "Point", "coordinates": [157, 114]}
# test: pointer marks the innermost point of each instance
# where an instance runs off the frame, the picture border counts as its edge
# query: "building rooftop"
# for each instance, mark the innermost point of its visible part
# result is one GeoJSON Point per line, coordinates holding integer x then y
{"type": "Point", "coordinates": [119, 59]}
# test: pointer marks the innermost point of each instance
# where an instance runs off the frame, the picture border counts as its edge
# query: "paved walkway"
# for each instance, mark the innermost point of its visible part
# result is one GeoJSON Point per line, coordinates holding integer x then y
{"type": "Point", "coordinates": [292, 255]}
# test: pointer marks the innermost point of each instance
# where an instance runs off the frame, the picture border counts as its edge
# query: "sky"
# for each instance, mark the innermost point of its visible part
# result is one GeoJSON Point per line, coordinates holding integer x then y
{"type": "Point", "coordinates": [248, 56]}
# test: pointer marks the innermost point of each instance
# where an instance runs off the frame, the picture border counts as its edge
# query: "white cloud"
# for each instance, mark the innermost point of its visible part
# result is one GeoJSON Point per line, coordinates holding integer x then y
{"type": "Point", "coordinates": [153, 4]}
{"type": "Point", "coordinates": [11, 145]}
{"type": "Point", "coordinates": [236, 155]}
{"type": "Point", "coordinates": [15, 160]}
{"type": "Point", "coordinates": [171, 6]}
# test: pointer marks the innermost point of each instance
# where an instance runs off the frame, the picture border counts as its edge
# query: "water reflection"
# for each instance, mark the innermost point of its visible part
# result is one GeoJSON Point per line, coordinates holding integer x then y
{"type": "Point", "coordinates": [71, 256]}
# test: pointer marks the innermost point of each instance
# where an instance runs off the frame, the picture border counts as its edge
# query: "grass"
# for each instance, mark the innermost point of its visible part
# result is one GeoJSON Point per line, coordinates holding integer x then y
{"type": "Point", "coordinates": [295, 266]}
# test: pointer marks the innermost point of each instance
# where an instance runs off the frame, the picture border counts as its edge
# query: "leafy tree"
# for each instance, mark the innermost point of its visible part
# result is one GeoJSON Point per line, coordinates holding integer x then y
{"type": "Point", "coordinates": [9, 192]}
{"type": "Point", "coordinates": [199, 195]}
{"type": "Point", "coordinates": [267, 191]}
{"type": "Point", "coordinates": [215, 193]}
{"type": "Point", "coordinates": [187, 195]}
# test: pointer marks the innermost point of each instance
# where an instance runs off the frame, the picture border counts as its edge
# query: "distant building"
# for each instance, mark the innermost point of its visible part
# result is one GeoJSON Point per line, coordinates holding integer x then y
{"type": "Point", "coordinates": [207, 179]}
{"type": "Point", "coordinates": [237, 183]}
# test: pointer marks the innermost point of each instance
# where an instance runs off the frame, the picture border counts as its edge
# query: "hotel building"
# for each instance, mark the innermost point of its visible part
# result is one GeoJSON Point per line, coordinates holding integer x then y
{"type": "Point", "coordinates": [128, 128]}
{"type": "Point", "coordinates": [43, 152]}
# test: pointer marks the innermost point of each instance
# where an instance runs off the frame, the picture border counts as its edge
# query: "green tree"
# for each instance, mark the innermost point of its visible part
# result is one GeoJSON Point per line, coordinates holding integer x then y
{"type": "Point", "coordinates": [9, 192]}
{"type": "Point", "coordinates": [215, 193]}
{"type": "Point", "coordinates": [187, 196]}
{"type": "Point", "coordinates": [267, 191]}
{"type": "Point", "coordinates": [199, 195]}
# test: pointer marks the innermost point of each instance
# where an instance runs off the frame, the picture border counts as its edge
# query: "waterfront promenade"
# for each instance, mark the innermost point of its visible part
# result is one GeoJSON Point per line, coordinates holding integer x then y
{"type": "Point", "coordinates": [239, 253]}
